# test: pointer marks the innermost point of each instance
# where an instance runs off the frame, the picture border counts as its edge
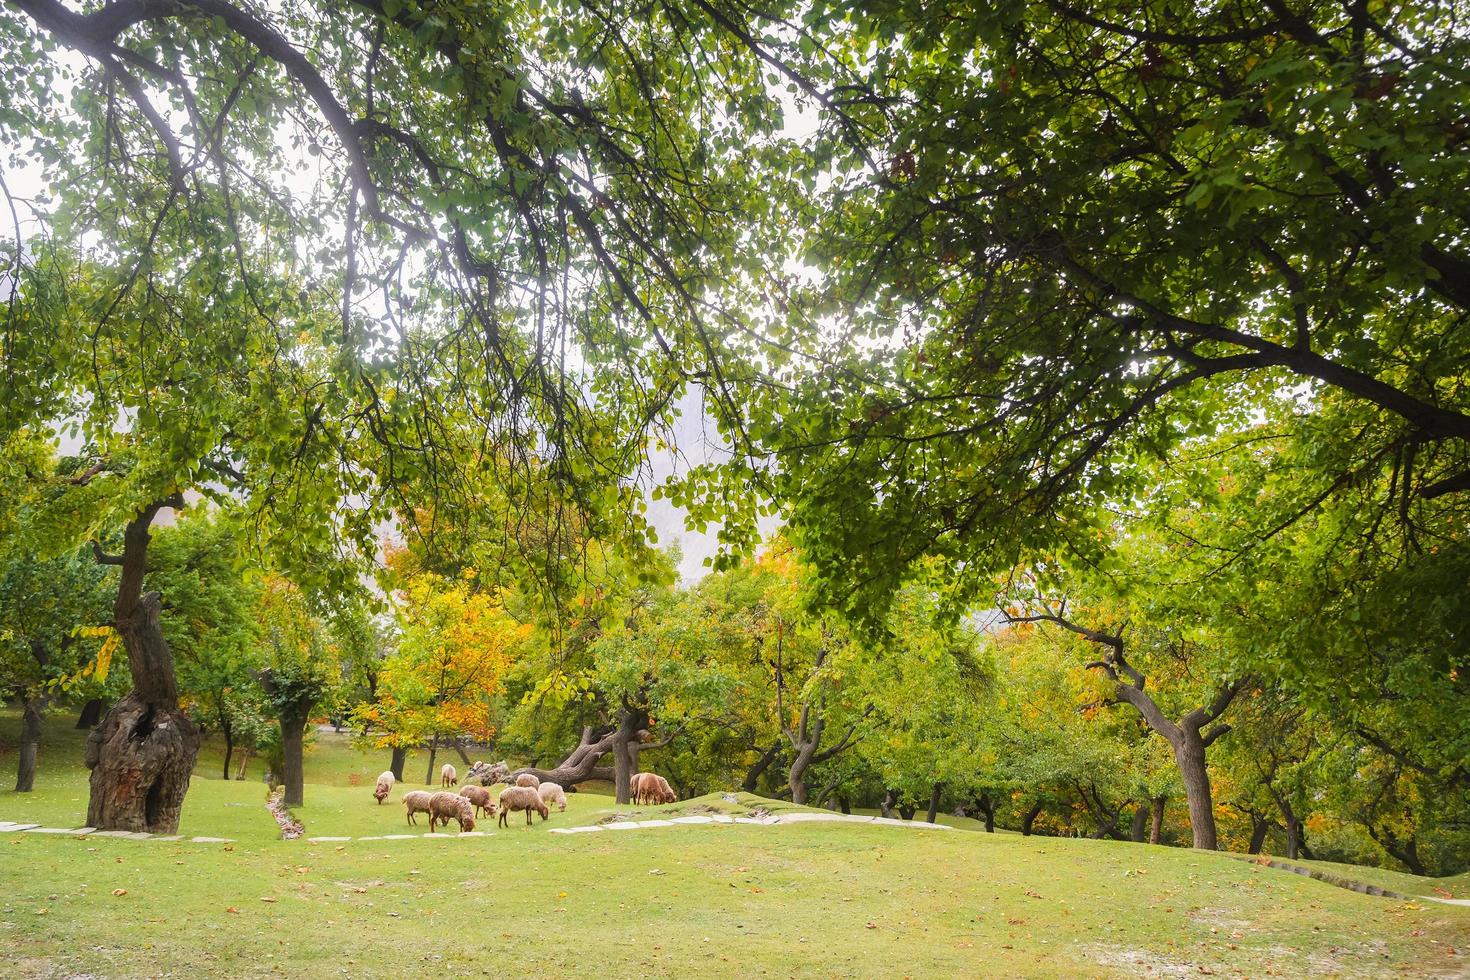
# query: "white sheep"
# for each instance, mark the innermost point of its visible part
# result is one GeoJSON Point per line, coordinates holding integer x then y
{"type": "Point", "coordinates": [384, 787]}
{"type": "Point", "coordinates": [526, 779]}
{"type": "Point", "coordinates": [514, 798]}
{"type": "Point", "coordinates": [552, 793]}
{"type": "Point", "coordinates": [448, 776]}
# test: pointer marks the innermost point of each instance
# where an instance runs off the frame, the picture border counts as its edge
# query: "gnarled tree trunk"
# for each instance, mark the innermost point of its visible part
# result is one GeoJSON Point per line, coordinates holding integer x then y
{"type": "Point", "coordinates": [143, 752]}
{"type": "Point", "coordinates": [580, 764]}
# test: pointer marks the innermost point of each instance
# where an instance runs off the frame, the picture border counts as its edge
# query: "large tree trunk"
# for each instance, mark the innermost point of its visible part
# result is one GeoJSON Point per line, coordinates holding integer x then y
{"type": "Point", "coordinates": [30, 742]}
{"type": "Point", "coordinates": [1189, 753]}
{"type": "Point", "coordinates": [632, 729]}
{"type": "Point", "coordinates": [91, 714]}
{"type": "Point", "coordinates": [143, 752]}
{"type": "Point", "coordinates": [580, 764]}
{"type": "Point", "coordinates": [796, 775]}
{"type": "Point", "coordinates": [1029, 820]}
{"type": "Point", "coordinates": [753, 774]}
{"type": "Point", "coordinates": [293, 733]}
{"type": "Point", "coordinates": [400, 758]}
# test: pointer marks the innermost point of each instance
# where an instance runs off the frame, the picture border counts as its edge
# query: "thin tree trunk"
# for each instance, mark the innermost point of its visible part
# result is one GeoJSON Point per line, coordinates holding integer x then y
{"type": "Point", "coordinates": [91, 714]}
{"type": "Point", "coordinates": [429, 779]}
{"type": "Point", "coordinates": [143, 752]}
{"type": "Point", "coordinates": [400, 758]}
{"type": "Point", "coordinates": [30, 742]}
{"type": "Point", "coordinates": [934, 795]}
{"type": "Point", "coordinates": [890, 800]}
{"type": "Point", "coordinates": [1029, 820]}
{"type": "Point", "coordinates": [1156, 831]}
{"type": "Point", "coordinates": [229, 749]}
{"type": "Point", "coordinates": [986, 806]}
{"type": "Point", "coordinates": [1140, 824]}
{"type": "Point", "coordinates": [459, 747]}
{"type": "Point", "coordinates": [244, 762]}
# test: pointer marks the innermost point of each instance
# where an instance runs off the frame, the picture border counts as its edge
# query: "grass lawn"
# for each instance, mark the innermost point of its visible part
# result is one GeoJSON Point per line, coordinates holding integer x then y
{"type": "Point", "coordinates": [816, 899]}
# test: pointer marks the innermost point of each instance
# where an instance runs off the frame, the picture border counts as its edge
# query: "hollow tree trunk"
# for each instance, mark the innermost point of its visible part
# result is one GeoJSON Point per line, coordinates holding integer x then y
{"type": "Point", "coordinates": [1029, 820]}
{"type": "Point", "coordinates": [143, 751]}
{"type": "Point", "coordinates": [934, 795]}
{"type": "Point", "coordinates": [30, 742]}
{"type": "Point", "coordinates": [400, 758]}
{"type": "Point", "coordinates": [1189, 753]}
{"type": "Point", "coordinates": [1140, 824]}
{"type": "Point", "coordinates": [91, 714]}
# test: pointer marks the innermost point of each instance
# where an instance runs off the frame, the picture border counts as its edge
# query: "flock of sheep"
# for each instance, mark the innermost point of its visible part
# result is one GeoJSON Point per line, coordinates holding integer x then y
{"type": "Point", "coordinates": [529, 794]}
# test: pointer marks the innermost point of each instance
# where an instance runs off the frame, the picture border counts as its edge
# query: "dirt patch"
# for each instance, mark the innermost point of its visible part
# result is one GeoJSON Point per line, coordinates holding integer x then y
{"type": "Point", "coordinates": [1138, 962]}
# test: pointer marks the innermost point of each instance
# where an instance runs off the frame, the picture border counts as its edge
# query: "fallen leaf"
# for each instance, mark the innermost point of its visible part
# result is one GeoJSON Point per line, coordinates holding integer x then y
{"type": "Point", "coordinates": [1031, 894]}
{"type": "Point", "coordinates": [871, 925]}
{"type": "Point", "coordinates": [119, 891]}
{"type": "Point", "coordinates": [268, 898]}
{"type": "Point", "coordinates": [232, 910]}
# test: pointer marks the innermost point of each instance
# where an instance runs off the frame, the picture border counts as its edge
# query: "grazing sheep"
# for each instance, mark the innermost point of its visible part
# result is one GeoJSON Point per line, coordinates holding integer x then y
{"type": "Point", "coordinates": [526, 779]}
{"type": "Point", "coordinates": [416, 801]}
{"type": "Point", "coordinates": [514, 798]}
{"type": "Point", "coordinates": [384, 787]}
{"type": "Point", "coordinates": [664, 793]}
{"type": "Point", "coordinates": [552, 793]}
{"type": "Point", "coordinates": [447, 776]}
{"type": "Point", "coordinates": [444, 807]}
{"type": "Point", "coordinates": [644, 788]}
{"type": "Point", "coordinates": [480, 797]}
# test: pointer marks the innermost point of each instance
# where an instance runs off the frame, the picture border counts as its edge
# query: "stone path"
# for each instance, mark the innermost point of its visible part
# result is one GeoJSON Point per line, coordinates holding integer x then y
{"type": "Point", "coordinates": [9, 827]}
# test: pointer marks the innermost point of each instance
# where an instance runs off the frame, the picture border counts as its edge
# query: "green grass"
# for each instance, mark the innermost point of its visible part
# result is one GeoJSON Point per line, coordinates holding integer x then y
{"type": "Point", "coordinates": [805, 900]}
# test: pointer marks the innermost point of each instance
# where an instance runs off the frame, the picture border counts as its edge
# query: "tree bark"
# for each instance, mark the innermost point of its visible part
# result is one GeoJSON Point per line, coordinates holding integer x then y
{"type": "Point", "coordinates": [754, 773]}
{"type": "Point", "coordinates": [844, 804]}
{"type": "Point", "coordinates": [580, 764]}
{"type": "Point", "coordinates": [143, 752]}
{"type": "Point", "coordinates": [907, 810]}
{"type": "Point", "coordinates": [400, 758]}
{"type": "Point", "coordinates": [293, 731]}
{"type": "Point", "coordinates": [986, 806]}
{"type": "Point", "coordinates": [91, 714]}
{"type": "Point", "coordinates": [1140, 824]}
{"type": "Point", "coordinates": [429, 779]}
{"type": "Point", "coordinates": [465, 756]}
{"type": "Point", "coordinates": [890, 800]}
{"type": "Point", "coordinates": [229, 748]}
{"type": "Point", "coordinates": [934, 795]}
{"type": "Point", "coordinates": [1260, 827]}
{"type": "Point", "coordinates": [1189, 753]}
{"type": "Point", "coordinates": [30, 742]}
{"type": "Point", "coordinates": [1156, 831]}
{"type": "Point", "coordinates": [1029, 820]}
{"type": "Point", "coordinates": [796, 775]}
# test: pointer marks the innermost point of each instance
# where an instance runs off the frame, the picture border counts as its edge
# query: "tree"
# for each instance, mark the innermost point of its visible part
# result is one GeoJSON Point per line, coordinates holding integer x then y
{"type": "Point", "coordinates": [453, 647]}
{"type": "Point", "coordinates": [300, 672]}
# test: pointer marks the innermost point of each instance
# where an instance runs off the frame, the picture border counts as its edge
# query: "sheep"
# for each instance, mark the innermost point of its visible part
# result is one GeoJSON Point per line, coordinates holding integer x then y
{"type": "Point", "coordinates": [649, 787]}
{"type": "Point", "coordinates": [480, 797]}
{"type": "Point", "coordinates": [444, 807]}
{"type": "Point", "coordinates": [416, 801]}
{"type": "Point", "coordinates": [526, 779]}
{"type": "Point", "coordinates": [384, 787]}
{"type": "Point", "coordinates": [521, 798]}
{"type": "Point", "coordinates": [664, 792]}
{"type": "Point", "coordinates": [552, 793]}
{"type": "Point", "coordinates": [635, 786]}
{"type": "Point", "coordinates": [447, 776]}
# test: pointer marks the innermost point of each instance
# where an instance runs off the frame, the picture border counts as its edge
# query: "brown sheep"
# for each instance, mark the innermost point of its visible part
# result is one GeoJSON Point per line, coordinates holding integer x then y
{"type": "Point", "coordinates": [444, 807]}
{"type": "Point", "coordinates": [416, 801]}
{"type": "Point", "coordinates": [521, 798]}
{"type": "Point", "coordinates": [552, 793]}
{"type": "Point", "coordinates": [526, 779]}
{"type": "Point", "coordinates": [384, 787]}
{"type": "Point", "coordinates": [448, 776]}
{"type": "Point", "coordinates": [636, 786]}
{"type": "Point", "coordinates": [664, 793]}
{"type": "Point", "coordinates": [480, 797]}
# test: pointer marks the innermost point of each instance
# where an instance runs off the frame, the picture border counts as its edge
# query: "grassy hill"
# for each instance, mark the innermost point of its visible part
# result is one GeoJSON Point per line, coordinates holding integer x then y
{"type": "Point", "coordinates": [800, 900]}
